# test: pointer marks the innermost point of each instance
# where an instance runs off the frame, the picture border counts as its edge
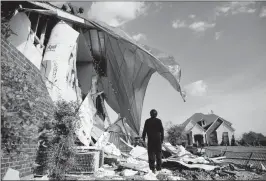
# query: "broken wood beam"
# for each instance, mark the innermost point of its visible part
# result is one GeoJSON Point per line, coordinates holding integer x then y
{"type": "Point", "coordinates": [229, 172]}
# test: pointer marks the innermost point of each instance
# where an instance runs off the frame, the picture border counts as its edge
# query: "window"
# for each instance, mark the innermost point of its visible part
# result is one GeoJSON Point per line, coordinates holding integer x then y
{"type": "Point", "coordinates": [203, 123]}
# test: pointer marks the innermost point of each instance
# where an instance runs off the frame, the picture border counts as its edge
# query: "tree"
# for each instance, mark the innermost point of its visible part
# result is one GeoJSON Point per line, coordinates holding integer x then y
{"type": "Point", "coordinates": [252, 138]}
{"type": "Point", "coordinates": [175, 134]}
{"type": "Point", "coordinates": [233, 141]}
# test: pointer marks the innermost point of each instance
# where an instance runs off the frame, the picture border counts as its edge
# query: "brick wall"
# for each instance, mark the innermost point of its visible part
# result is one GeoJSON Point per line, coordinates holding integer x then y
{"type": "Point", "coordinates": [43, 105]}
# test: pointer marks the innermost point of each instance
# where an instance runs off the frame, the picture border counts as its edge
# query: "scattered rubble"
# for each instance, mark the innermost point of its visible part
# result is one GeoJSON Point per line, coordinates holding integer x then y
{"type": "Point", "coordinates": [179, 165]}
{"type": "Point", "coordinates": [129, 172]}
{"type": "Point", "coordinates": [140, 153]}
{"type": "Point", "coordinates": [111, 149]}
{"type": "Point", "coordinates": [150, 176]}
{"type": "Point", "coordinates": [101, 172]}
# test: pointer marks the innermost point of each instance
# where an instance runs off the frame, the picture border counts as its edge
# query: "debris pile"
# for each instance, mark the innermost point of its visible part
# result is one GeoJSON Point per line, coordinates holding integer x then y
{"type": "Point", "coordinates": [180, 165]}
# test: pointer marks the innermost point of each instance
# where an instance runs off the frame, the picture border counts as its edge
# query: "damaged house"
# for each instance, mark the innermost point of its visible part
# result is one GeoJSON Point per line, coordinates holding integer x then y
{"type": "Point", "coordinates": [91, 63]}
{"type": "Point", "coordinates": [207, 129]}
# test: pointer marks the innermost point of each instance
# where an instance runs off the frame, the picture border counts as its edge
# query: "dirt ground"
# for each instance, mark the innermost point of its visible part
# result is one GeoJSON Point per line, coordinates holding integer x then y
{"type": "Point", "coordinates": [177, 174]}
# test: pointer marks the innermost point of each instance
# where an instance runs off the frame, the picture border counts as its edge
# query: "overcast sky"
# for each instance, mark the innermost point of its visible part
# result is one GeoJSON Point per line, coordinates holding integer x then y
{"type": "Point", "coordinates": [221, 47]}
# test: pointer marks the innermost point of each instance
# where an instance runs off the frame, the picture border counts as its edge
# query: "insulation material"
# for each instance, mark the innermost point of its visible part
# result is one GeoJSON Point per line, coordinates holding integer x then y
{"type": "Point", "coordinates": [60, 63]}
{"type": "Point", "coordinates": [150, 176]}
{"type": "Point", "coordinates": [33, 53]}
{"type": "Point", "coordinates": [103, 140]}
{"type": "Point", "coordinates": [87, 113]}
{"type": "Point", "coordinates": [139, 152]}
{"type": "Point", "coordinates": [111, 149]}
{"type": "Point", "coordinates": [21, 25]}
{"type": "Point", "coordinates": [129, 172]}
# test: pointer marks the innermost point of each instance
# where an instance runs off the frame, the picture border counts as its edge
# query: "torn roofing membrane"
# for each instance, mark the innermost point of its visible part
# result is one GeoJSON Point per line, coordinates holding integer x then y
{"type": "Point", "coordinates": [129, 66]}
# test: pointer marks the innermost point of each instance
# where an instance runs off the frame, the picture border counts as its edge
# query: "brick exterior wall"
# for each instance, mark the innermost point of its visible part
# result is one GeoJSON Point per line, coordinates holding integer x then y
{"type": "Point", "coordinates": [42, 104]}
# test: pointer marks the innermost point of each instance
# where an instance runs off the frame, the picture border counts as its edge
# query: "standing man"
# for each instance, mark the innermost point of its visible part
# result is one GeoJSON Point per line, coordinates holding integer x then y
{"type": "Point", "coordinates": [154, 129]}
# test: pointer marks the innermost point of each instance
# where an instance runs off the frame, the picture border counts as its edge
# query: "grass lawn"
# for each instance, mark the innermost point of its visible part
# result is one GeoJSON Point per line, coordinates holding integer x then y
{"type": "Point", "coordinates": [238, 148]}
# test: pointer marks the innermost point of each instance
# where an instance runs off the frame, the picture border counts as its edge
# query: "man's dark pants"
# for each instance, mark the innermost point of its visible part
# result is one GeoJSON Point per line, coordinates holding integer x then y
{"type": "Point", "coordinates": [155, 154]}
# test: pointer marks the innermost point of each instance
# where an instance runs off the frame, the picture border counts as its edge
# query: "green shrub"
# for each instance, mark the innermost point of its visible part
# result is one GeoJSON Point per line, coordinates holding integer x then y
{"type": "Point", "coordinates": [63, 141]}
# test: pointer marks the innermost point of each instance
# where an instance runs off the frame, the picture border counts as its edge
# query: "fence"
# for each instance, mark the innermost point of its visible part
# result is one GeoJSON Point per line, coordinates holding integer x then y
{"type": "Point", "coordinates": [241, 158]}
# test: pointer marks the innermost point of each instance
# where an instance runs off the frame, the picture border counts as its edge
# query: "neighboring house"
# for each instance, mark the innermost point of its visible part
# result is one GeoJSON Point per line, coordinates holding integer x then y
{"type": "Point", "coordinates": [207, 129]}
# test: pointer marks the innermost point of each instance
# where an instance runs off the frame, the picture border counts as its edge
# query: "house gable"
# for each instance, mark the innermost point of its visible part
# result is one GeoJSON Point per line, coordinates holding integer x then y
{"type": "Point", "coordinates": [190, 122]}
{"type": "Point", "coordinates": [197, 129]}
{"type": "Point", "coordinates": [224, 128]}
{"type": "Point", "coordinates": [229, 126]}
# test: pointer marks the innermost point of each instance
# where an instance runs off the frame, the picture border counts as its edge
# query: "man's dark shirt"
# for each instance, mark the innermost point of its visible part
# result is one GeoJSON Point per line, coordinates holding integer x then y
{"type": "Point", "coordinates": [154, 129]}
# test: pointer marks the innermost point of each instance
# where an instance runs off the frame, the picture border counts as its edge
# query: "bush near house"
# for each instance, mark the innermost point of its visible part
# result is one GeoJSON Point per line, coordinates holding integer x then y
{"type": "Point", "coordinates": [63, 140]}
{"type": "Point", "coordinates": [175, 135]}
{"type": "Point", "coordinates": [233, 141]}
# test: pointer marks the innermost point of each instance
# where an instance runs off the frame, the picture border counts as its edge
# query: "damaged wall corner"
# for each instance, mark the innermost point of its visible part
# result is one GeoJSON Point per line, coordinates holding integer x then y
{"type": "Point", "coordinates": [42, 103]}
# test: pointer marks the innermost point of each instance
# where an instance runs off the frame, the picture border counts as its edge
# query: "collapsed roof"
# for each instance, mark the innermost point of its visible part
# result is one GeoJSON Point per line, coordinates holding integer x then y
{"type": "Point", "coordinates": [124, 66]}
